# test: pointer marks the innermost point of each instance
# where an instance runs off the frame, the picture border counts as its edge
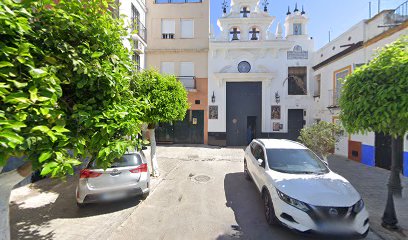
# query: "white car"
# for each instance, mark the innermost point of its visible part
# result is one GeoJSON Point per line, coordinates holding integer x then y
{"type": "Point", "coordinates": [301, 192]}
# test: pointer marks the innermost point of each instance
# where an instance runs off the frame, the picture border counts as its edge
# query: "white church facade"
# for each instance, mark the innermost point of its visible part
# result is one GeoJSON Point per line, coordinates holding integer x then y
{"type": "Point", "coordinates": [259, 81]}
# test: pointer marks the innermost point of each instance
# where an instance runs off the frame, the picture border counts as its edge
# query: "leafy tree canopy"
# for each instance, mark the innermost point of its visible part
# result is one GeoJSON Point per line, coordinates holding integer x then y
{"type": "Point", "coordinates": [321, 137]}
{"type": "Point", "coordinates": [166, 96]}
{"type": "Point", "coordinates": [64, 84]}
{"type": "Point", "coordinates": [375, 97]}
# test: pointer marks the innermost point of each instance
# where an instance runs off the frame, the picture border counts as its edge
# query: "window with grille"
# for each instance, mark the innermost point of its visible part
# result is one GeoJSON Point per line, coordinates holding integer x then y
{"type": "Point", "coordinates": [168, 28]}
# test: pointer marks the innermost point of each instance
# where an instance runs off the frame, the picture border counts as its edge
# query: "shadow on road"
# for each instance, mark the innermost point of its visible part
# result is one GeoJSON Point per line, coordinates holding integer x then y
{"type": "Point", "coordinates": [244, 199]}
{"type": "Point", "coordinates": [27, 217]}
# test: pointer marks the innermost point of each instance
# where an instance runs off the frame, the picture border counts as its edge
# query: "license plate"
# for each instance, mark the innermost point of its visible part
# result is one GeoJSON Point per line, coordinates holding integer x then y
{"type": "Point", "coordinates": [334, 227]}
{"type": "Point", "coordinates": [113, 196]}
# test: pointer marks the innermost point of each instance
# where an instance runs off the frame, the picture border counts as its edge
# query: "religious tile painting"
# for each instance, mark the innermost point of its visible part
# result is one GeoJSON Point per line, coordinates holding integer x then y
{"type": "Point", "coordinates": [213, 112]}
{"type": "Point", "coordinates": [276, 112]}
{"type": "Point", "coordinates": [276, 127]}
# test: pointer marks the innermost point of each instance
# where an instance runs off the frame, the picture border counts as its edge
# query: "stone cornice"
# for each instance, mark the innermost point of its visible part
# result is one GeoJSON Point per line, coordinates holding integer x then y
{"type": "Point", "coordinates": [176, 50]}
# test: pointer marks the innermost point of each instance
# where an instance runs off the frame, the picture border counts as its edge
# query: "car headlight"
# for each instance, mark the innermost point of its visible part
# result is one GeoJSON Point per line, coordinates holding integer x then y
{"type": "Point", "coordinates": [293, 202]}
{"type": "Point", "coordinates": [358, 206]}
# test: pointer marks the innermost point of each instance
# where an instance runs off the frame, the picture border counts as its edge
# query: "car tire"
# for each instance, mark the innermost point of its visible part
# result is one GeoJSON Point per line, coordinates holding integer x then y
{"type": "Point", "coordinates": [246, 172]}
{"type": "Point", "coordinates": [81, 205]}
{"type": "Point", "coordinates": [145, 195]}
{"type": "Point", "coordinates": [268, 209]}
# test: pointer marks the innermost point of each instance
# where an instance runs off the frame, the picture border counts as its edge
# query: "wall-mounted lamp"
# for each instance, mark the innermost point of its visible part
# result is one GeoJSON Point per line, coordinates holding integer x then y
{"type": "Point", "coordinates": [277, 97]}
{"type": "Point", "coordinates": [213, 98]}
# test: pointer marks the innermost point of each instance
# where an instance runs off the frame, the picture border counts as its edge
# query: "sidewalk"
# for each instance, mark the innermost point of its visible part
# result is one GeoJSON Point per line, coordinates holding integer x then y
{"type": "Point", "coordinates": [371, 183]}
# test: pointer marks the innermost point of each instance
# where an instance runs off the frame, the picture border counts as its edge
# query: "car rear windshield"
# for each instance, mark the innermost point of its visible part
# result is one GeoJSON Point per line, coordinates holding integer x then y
{"type": "Point", "coordinates": [295, 161]}
{"type": "Point", "coordinates": [127, 160]}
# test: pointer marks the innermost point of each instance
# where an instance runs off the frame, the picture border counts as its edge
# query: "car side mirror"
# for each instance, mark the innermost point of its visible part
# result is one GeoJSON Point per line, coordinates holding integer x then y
{"type": "Point", "coordinates": [144, 147]}
{"type": "Point", "coordinates": [325, 162]}
{"type": "Point", "coordinates": [260, 161]}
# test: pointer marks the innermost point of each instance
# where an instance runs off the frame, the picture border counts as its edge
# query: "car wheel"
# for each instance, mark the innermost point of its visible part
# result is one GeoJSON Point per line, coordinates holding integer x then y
{"type": "Point", "coordinates": [246, 173]}
{"type": "Point", "coordinates": [80, 205]}
{"type": "Point", "coordinates": [269, 210]}
{"type": "Point", "coordinates": [145, 195]}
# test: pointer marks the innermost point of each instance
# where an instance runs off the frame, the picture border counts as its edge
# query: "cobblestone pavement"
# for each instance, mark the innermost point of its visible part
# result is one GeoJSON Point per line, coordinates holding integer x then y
{"type": "Point", "coordinates": [180, 206]}
{"type": "Point", "coordinates": [371, 183]}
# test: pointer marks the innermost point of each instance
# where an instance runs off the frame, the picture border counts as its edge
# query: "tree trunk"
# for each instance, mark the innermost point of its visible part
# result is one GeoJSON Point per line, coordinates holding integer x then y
{"type": "Point", "coordinates": [7, 181]}
{"type": "Point", "coordinates": [154, 164]}
{"type": "Point", "coordinates": [389, 219]}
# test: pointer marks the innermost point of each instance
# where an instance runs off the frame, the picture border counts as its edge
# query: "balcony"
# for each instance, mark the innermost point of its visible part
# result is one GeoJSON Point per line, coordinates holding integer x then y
{"type": "Point", "coordinates": [189, 82]}
{"type": "Point", "coordinates": [140, 30]}
{"type": "Point", "coordinates": [401, 13]}
{"type": "Point", "coordinates": [334, 97]}
{"type": "Point", "coordinates": [177, 1]}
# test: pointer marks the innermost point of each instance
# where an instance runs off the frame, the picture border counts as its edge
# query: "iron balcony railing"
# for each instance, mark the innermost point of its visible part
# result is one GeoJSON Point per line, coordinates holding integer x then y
{"type": "Point", "coordinates": [334, 97]}
{"type": "Point", "coordinates": [177, 1]}
{"type": "Point", "coordinates": [401, 13]}
{"type": "Point", "coordinates": [189, 82]}
{"type": "Point", "coordinates": [140, 29]}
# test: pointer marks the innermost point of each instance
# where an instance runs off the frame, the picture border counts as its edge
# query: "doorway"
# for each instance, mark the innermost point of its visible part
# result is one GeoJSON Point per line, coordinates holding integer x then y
{"type": "Point", "coordinates": [251, 128]}
{"type": "Point", "coordinates": [244, 107]}
{"type": "Point", "coordinates": [295, 123]}
{"type": "Point", "coordinates": [383, 151]}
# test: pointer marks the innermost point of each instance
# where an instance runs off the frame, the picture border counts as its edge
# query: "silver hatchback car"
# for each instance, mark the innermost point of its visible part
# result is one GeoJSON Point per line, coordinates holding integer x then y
{"type": "Point", "coordinates": [127, 176]}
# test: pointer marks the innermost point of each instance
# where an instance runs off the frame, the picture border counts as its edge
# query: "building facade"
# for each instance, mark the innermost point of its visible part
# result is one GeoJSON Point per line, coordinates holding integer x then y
{"type": "Point", "coordinates": [339, 58]}
{"type": "Point", "coordinates": [134, 12]}
{"type": "Point", "coordinates": [259, 80]}
{"type": "Point", "coordinates": [178, 45]}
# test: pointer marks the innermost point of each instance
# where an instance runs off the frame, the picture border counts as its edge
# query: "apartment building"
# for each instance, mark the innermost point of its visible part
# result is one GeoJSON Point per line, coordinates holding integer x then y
{"type": "Point", "coordinates": [178, 45]}
{"type": "Point", "coordinates": [135, 20]}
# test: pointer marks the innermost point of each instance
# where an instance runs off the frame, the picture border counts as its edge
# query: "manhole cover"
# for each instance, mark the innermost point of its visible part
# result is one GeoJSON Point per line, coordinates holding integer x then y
{"type": "Point", "coordinates": [202, 178]}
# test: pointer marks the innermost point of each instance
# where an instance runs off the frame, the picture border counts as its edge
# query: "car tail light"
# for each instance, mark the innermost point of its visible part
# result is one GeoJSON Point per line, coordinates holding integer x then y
{"type": "Point", "coordinates": [86, 173]}
{"type": "Point", "coordinates": [141, 168]}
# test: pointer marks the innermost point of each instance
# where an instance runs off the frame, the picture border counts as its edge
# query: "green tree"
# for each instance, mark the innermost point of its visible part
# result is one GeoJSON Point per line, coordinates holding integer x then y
{"type": "Point", "coordinates": [64, 89]}
{"type": "Point", "coordinates": [167, 99]}
{"type": "Point", "coordinates": [321, 138]}
{"type": "Point", "coordinates": [375, 98]}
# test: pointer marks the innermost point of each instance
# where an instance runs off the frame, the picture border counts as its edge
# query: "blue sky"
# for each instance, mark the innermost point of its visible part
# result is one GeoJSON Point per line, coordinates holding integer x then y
{"type": "Point", "coordinates": [334, 15]}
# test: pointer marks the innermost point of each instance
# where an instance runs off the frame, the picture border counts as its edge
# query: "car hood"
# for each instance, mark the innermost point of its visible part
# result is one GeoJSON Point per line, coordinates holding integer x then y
{"type": "Point", "coordinates": [328, 189]}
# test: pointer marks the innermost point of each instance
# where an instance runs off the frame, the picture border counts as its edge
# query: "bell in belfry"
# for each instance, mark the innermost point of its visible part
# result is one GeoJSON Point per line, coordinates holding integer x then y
{"type": "Point", "coordinates": [254, 36]}
{"type": "Point", "coordinates": [235, 34]}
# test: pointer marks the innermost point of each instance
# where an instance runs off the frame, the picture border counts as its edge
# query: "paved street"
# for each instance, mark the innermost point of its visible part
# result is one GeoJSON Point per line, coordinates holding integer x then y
{"type": "Point", "coordinates": [202, 195]}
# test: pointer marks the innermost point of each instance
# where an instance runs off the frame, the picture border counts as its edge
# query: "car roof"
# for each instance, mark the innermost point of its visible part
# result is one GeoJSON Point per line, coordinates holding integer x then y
{"type": "Point", "coordinates": [280, 144]}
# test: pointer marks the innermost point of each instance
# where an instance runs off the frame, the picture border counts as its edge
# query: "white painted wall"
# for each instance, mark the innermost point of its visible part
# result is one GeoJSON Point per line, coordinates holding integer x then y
{"type": "Point", "coordinates": [125, 9]}
{"type": "Point", "coordinates": [269, 64]}
{"type": "Point", "coordinates": [362, 31]}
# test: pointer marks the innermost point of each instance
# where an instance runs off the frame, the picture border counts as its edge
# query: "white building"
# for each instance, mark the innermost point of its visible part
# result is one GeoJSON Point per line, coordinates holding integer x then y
{"type": "Point", "coordinates": [259, 79]}
{"type": "Point", "coordinates": [135, 12]}
{"type": "Point", "coordinates": [341, 57]}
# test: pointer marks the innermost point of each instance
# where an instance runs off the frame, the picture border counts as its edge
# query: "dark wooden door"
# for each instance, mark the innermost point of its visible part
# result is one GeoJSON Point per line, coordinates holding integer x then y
{"type": "Point", "coordinates": [244, 99]}
{"type": "Point", "coordinates": [295, 123]}
{"type": "Point", "coordinates": [191, 129]}
{"type": "Point", "coordinates": [382, 151]}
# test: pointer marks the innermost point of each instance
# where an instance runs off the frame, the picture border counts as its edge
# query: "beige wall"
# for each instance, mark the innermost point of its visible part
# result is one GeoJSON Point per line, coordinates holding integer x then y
{"type": "Point", "coordinates": [182, 50]}
{"type": "Point", "coordinates": [198, 11]}
{"type": "Point", "coordinates": [200, 60]}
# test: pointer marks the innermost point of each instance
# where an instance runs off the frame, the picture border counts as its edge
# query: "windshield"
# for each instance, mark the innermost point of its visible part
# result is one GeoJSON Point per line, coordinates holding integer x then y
{"type": "Point", "coordinates": [295, 161]}
{"type": "Point", "coordinates": [127, 160]}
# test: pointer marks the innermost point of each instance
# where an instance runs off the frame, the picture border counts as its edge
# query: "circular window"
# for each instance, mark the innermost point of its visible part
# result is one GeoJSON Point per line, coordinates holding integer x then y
{"type": "Point", "coordinates": [244, 67]}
